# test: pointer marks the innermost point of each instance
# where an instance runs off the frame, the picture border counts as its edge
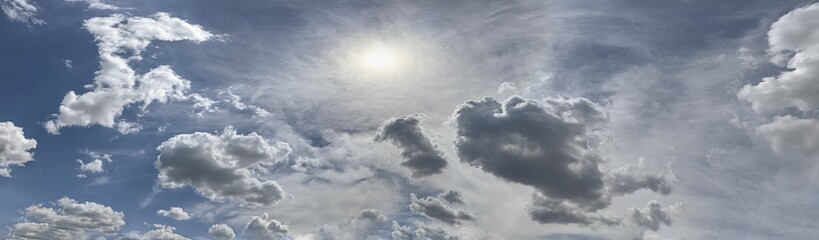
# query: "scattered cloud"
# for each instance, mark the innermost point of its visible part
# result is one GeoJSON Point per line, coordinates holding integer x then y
{"type": "Point", "coordinates": [221, 232]}
{"type": "Point", "coordinates": [434, 207]}
{"type": "Point", "coordinates": [221, 166]}
{"type": "Point", "coordinates": [68, 63]}
{"type": "Point", "coordinates": [160, 232]}
{"type": "Point", "coordinates": [654, 215]}
{"type": "Point", "coordinates": [15, 148]}
{"type": "Point", "coordinates": [23, 11]}
{"type": "Point", "coordinates": [263, 227]}
{"type": "Point", "coordinates": [550, 145]}
{"type": "Point", "coordinates": [96, 4]}
{"type": "Point", "coordinates": [421, 155]}
{"type": "Point", "coordinates": [790, 135]}
{"type": "Point", "coordinates": [792, 44]}
{"type": "Point", "coordinates": [175, 213]}
{"type": "Point", "coordinates": [69, 220]}
{"type": "Point", "coordinates": [116, 85]}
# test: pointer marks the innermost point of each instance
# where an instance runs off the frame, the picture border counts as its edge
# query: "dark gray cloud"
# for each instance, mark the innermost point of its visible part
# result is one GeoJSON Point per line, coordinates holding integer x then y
{"type": "Point", "coordinates": [550, 145]}
{"type": "Point", "coordinates": [219, 167]}
{"type": "Point", "coordinates": [548, 210]}
{"type": "Point", "coordinates": [541, 144]}
{"type": "Point", "coordinates": [420, 154]}
{"type": "Point", "coordinates": [433, 207]}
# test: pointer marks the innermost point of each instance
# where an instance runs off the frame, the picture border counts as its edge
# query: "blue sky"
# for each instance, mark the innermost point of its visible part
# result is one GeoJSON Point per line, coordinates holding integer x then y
{"type": "Point", "coordinates": [354, 119]}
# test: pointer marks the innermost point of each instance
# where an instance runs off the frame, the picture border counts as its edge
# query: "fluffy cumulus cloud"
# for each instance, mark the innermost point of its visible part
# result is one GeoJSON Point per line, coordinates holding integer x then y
{"type": "Point", "coordinates": [654, 215]}
{"type": "Point", "coordinates": [23, 11]}
{"type": "Point", "coordinates": [160, 232]}
{"type": "Point", "coordinates": [438, 208]}
{"type": "Point", "coordinates": [551, 145]}
{"type": "Point", "coordinates": [264, 227]}
{"type": "Point", "coordinates": [221, 232]}
{"type": "Point", "coordinates": [93, 165]}
{"type": "Point", "coordinates": [176, 213]}
{"type": "Point", "coordinates": [793, 43]}
{"type": "Point", "coordinates": [791, 135]}
{"type": "Point", "coordinates": [222, 166]}
{"type": "Point", "coordinates": [120, 40]}
{"type": "Point", "coordinates": [69, 220]}
{"type": "Point", "coordinates": [421, 155]}
{"type": "Point", "coordinates": [15, 148]}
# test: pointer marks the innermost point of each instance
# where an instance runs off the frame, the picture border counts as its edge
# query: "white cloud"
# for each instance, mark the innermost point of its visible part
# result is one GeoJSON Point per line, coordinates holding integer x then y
{"type": "Point", "coordinates": [23, 11]}
{"type": "Point", "coordinates": [68, 63]}
{"type": "Point", "coordinates": [15, 148]}
{"type": "Point", "coordinates": [264, 227]}
{"type": "Point", "coordinates": [70, 220]}
{"type": "Point", "coordinates": [175, 213]}
{"type": "Point", "coordinates": [222, 166]}
{"type": "Point", "coordinates": [221, 232]}
{"type": "Point", "coordinates": [97, 4]}
{"type": "Point", "coordinates": [794, 43]}
{"type": "Point", "coordinates": [116, 85]}
{"type": "Point", "coordinates": [94, 166]}
{"type": "Point", "coordinates": [160, 232]}
{"type": "Point", "coordinates": [790, 135]}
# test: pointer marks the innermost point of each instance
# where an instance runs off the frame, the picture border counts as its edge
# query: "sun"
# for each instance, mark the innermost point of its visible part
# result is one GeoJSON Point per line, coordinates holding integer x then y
{"type": "Point", "coordinates": [380, 59]}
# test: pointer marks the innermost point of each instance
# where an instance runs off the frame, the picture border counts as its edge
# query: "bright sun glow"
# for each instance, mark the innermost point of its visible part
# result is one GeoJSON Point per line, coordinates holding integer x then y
{"type": "Point", "coordinates": [380, 59]}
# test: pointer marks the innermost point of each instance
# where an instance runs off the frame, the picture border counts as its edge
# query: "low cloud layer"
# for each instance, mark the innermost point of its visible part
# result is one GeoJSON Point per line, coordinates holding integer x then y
{"type": "Point", "coordinates": [15, 148]}
{"type": "Point", "coordinates": [221, 166]}
{"type": "Point", "coordinates": [420, 154]}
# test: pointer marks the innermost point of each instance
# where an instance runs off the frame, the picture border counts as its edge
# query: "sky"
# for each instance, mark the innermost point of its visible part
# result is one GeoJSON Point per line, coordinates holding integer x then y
{"type": "Point", "coordinates": [441, 120]}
